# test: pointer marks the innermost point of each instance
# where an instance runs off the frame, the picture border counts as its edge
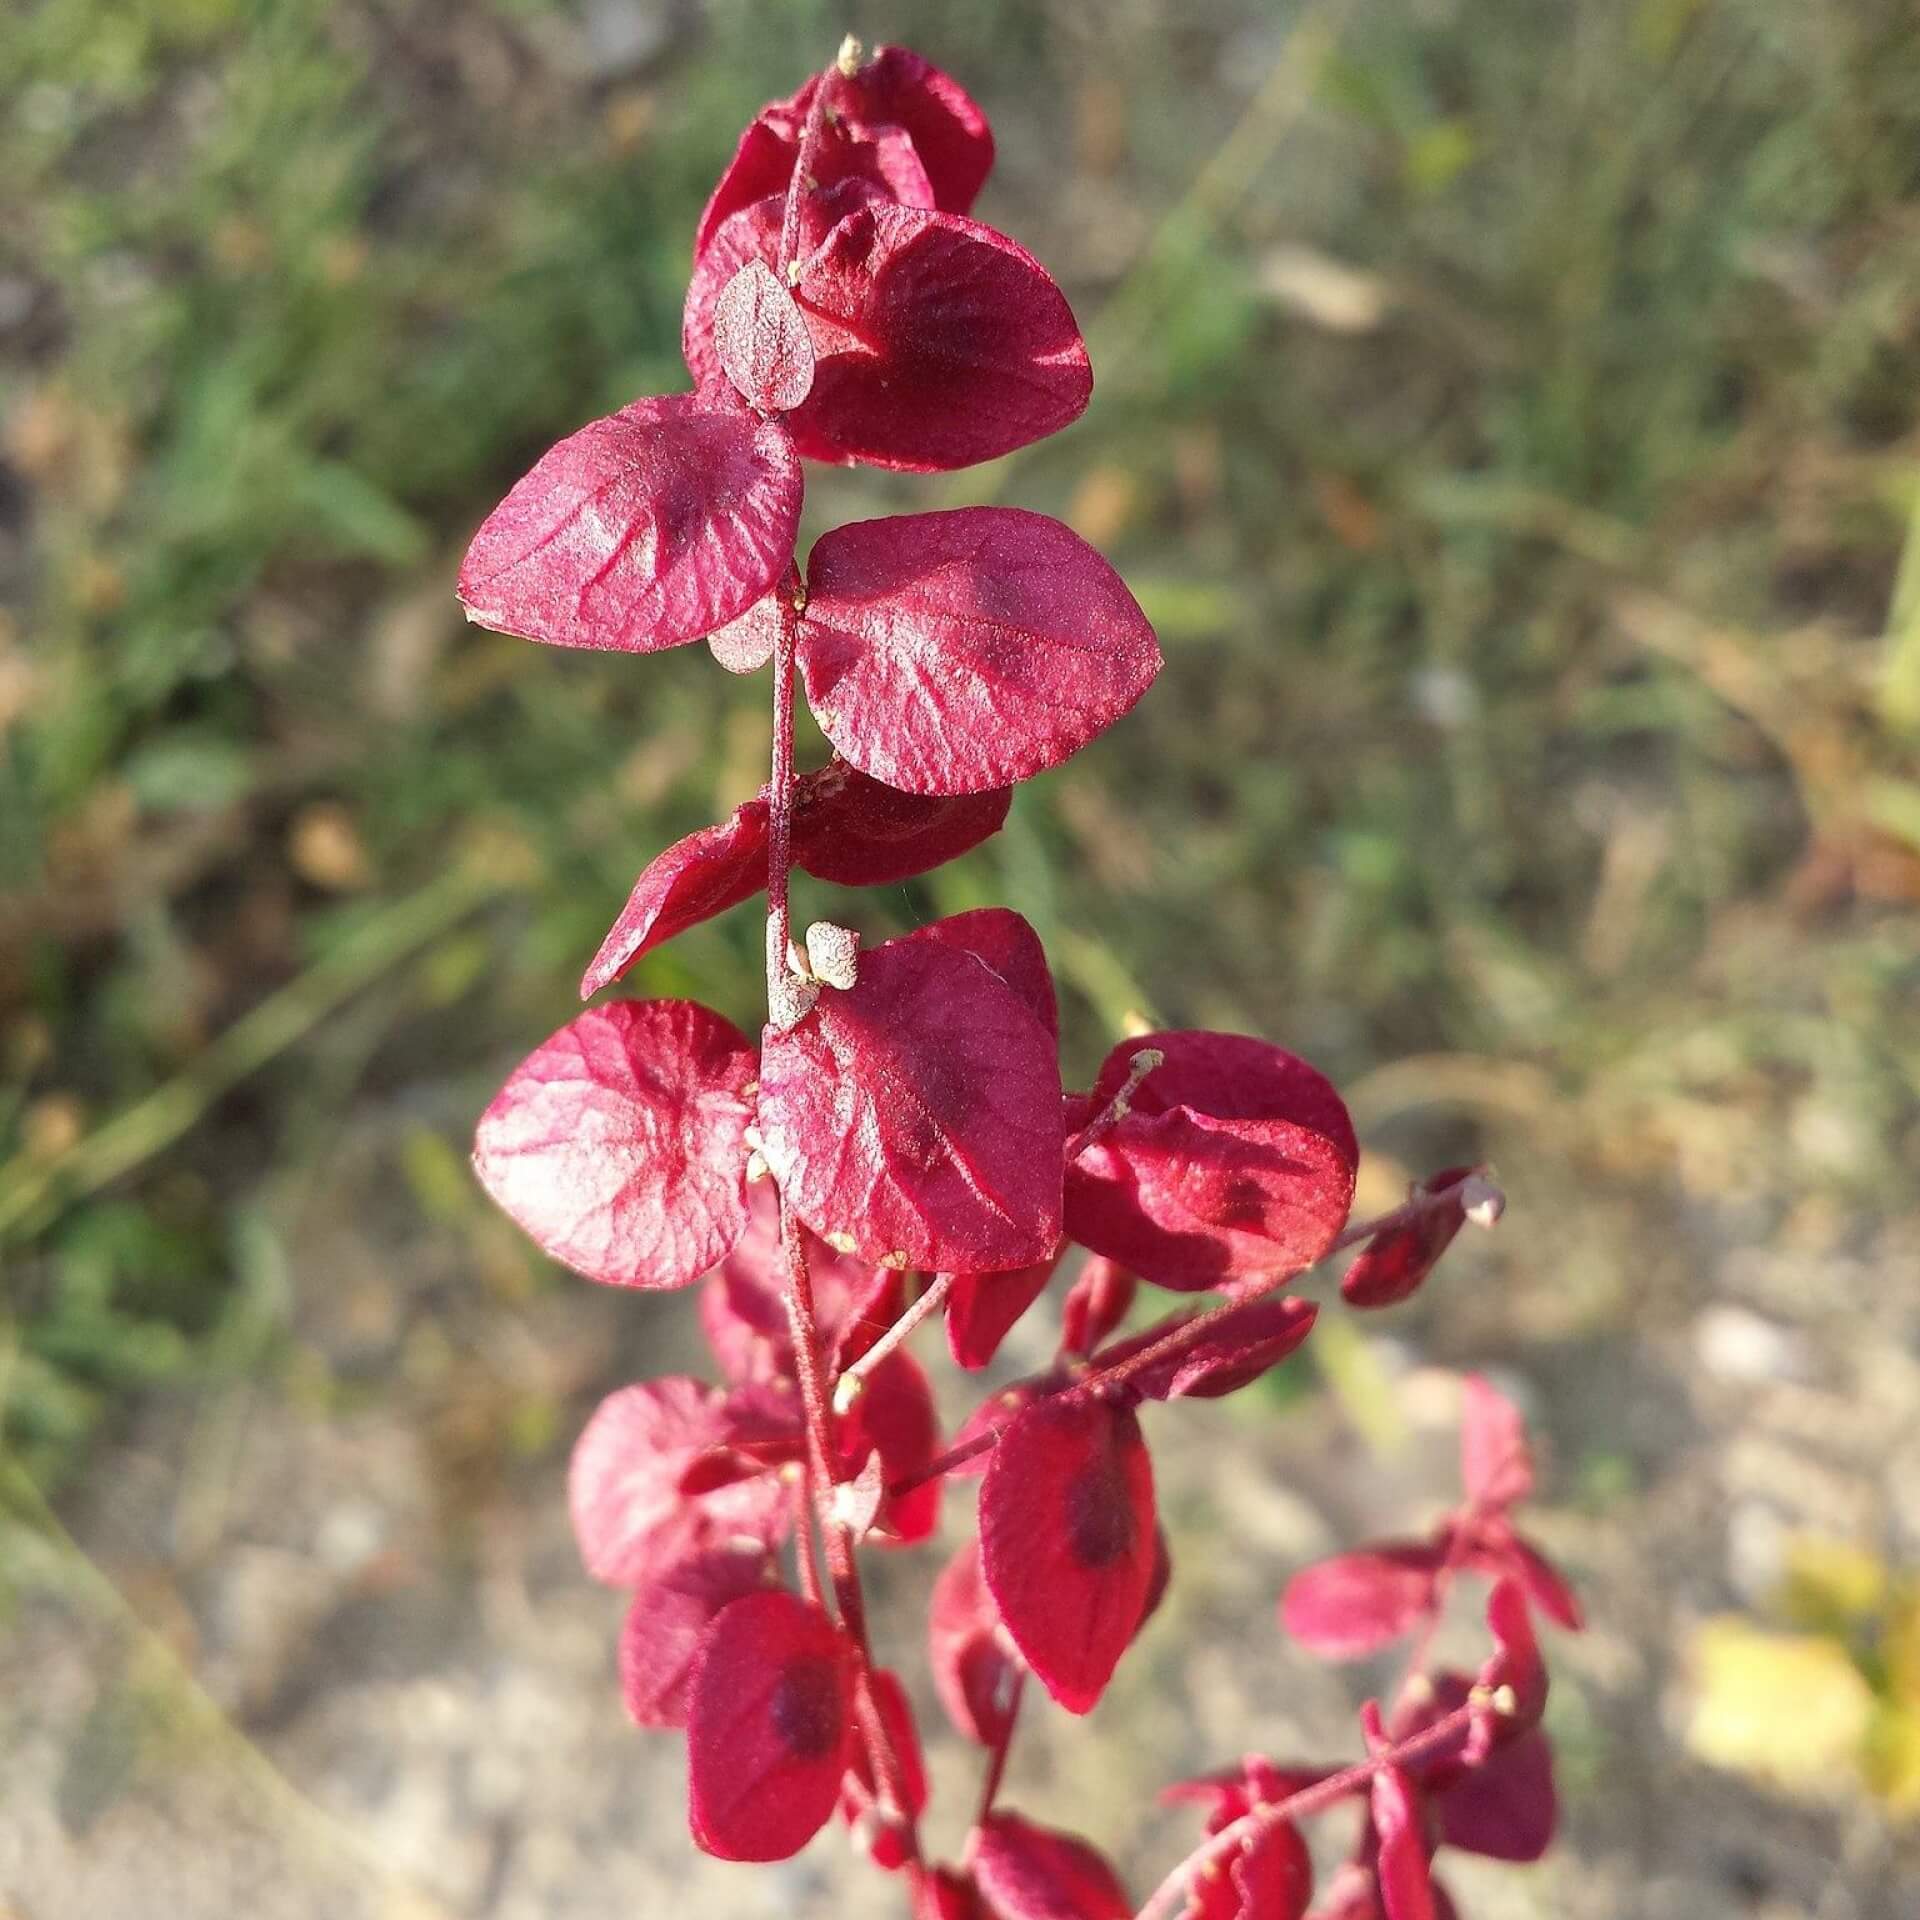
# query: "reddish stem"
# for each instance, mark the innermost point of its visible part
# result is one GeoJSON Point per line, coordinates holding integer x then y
{"type": "Point", "coordinates": [804, 162]}
{"type": "Point", "coordinates": [997, 1759]}
{"type": "Point", "coordinates": [853, 1378]}
{"type": "Point", "coordinates": [1175, 1332]}
{"type": "Point", "coordinates": [1116, 1109]}
{"type": "Point", "coordinates": [1308, 1801]}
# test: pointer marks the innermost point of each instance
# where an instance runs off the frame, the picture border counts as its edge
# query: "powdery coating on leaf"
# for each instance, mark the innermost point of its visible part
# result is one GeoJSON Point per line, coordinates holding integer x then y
{"type": "Point", "coordinates": [1006, 942]}
{"type": "Point", "coordinates": [1392, 1265]}
{"type": "Point", "coordinates": [769, 1727]}
{"type": "Point", "coordinates": [1030, 1872]}
{"type": "Point", "coordinates": [1496, 1464]}
{"type": "Point", "coordinates": [633, 1517]}
{"type": "Point", "coordinates": [667, 1618]}
{"type": "Point", "coordinates": [618, 1145]}
{"type": "Point", "coordinates": [1356, 1603]}
{"type": "Point", "coordinates": [1099, 1299]}
{"type": "Point", "coordinates": [706, 873]}
{"type": "Point", "coordinates": [645, 530]}
{"type": "Point", "coordinates": [856, 832]}
{"type": "Point", "coordinates": [1236, 1158]}
{"type": "Point", "coordinates": [954, 652]}
{"type": "Point", "coordinates": [746, 644]}
{"type": "Point", "coordinates": [982, 1308]}
{"type": "Point", "coordinates": [973, 1672]}
{"type": "Point", "coordinates": [761, 340]}
{"type": "Point", "coordinates": [1067, 1540]}
{"type": "Point", "coordinates": [918, 1114]}
{"type": "Point", "coordinates": [894, 1417]}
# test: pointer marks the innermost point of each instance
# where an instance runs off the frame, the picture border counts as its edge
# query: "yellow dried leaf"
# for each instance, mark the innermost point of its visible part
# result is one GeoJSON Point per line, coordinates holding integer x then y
{"type": "Point", "coordinates": [1791, 1709]}
{"type": "Point", "coordinates": [1832, 1583]}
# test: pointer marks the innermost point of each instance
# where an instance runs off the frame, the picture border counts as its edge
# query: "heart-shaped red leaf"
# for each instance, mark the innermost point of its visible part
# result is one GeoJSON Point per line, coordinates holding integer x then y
{"type": "Point", "coordinates": [641, 1492]}
{"type": "Point", "coordinates": [973, 1671]}
{"type": "Point", "coordinates": [619, 1144]}
{"type": "Point", "coordinates": [761, 340]}
{"type": "Point", "coordinates": [644, 530]}
{"type": "Point", "coordinates": [855, 832]}
{"type": "Point", "coordinates": [982, 1308]}
{"type": "Point", "coordinates": [1355, 1603]}
{"type": "Point", "coordinates": [706, 873]}
{"type": "Point", "coordinates": [915, 1118]}
{"type": "Point", "coordinates": [1030, 1872]}
{"type": "Point", "coordinates": [1235, 1158]}
{"type": "Point", "coordinates": [1099, 1299]}
{"type": "Point", "coordinates": [954, 652]}
{"type": "Point", "coordinates": [1067, 1540]}
{"type": "Point", "coordinates": [1392, 1265]}
{"type": "Point", "coordinates": [894, 1417]}
{"type": "Point", "coordinates": [667, 1619]}
{"type": "Point", "coordinates": [1233, 1352]}
{"type": "Point", "coordinates": [769, 1727]}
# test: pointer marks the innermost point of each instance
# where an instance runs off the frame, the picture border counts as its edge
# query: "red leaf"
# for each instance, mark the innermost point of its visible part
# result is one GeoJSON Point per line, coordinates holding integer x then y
{"type": "Point", "coordinates": [1267, 1877]}
{"type": "Point", "coordinates": [993, 1416]}
{"type": "Point", "coordinates": [982, 1308]}
{"type": "Point", "coordinates": [1357, 1602]}
{"type": "Point", "coordinates": [694, 879]}
{"type": "Point", "coordinates": [916, 1117]}
{"type": "Point", "coordinates": [1406, 1886]}
{"type": "Point", "coordinates": [1067, 1540]}
{"type": "Point", "coordinates": [885, 1840]}
{"type": "Point", "coordinates": [954, 652]}
{"type": "Point", "coordinates": [619, 1144]}
{"type": "Point", "coordinates": [946, 1895]}
{"type": "Point", "coordinates": [1546, 1586]}
{"type": "Point", "coordinates": [769, 1727]}
{"type": "Point", "coordinates": [1235, 1158]}
{"type": "Point", "coordinates": [1231, 1354]}
{"type": "Point", "coordinates": [1096, 1304]}
{"type": "Point", "coordinates": [1514, 1664]}
{"type": "Point", "coordinates": [1392, 1265]}
{"type": "Point", "coordinates": [1505, 1808]}
{"type": "Point", "coordinates": [1030, 1872]}
{"type": "Point", "coordinates": [761, 340]}
{"type": "Point", "coordinates": [634, 1516]}
{"type": "Point", "coordinates": [666, 1620]}
{"type": "Point", "coordinates": [1007, 943]}
{"type": "Point", "coordinates": [894, 1417]}
{"type": "Point", "coordinates": [856, 832]}
{"type": "Point", "coordinates": [1496, 1464]}
{"type": "Point", "coordinates": [973, 1672]}
{"type": "Point", "coordinates": [949, 132]}
{"type": "Point", "coordinates": [644, 530]}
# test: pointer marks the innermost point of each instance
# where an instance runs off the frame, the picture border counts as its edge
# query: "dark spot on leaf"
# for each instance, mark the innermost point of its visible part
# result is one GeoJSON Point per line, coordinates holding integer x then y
{"type": "Point", "coordinates": [806, 1707]}
{"type": "Point", "coordinates": [1099, 1515]}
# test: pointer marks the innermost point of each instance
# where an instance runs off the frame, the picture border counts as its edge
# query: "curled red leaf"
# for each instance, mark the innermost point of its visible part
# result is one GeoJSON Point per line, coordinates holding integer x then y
{"type": "Point", "coordinates": [761, 340]}
{"type": "Point", "coordinates": [1067, 1540]}
{"type": "Point", "coordinates": [1392, 1265]}
{"type": "Point", "coordinates": [915, 1118]}
{"type": "Point", "coordinates": [1355, 1603]}
{"type": "Point", "coordinates": [974, 1672]}
{"type": "Point", "coordinates": [1406, 1884]}
{"type": "Point", "coordinates": [1098, 1301]}
{"type": "Point", "coordinates": [644, 530]}
{"type": "Point", "coordinates": [955, 652]}
{"type": "Point", "coordinates": [983, 1308]}
{"type": "Point", "coordinates": [667, 1618]}
{"type": "Point", "coordinates": [856, 832]}
{"type": "Point", "coordinates": [619, 1144]}
{"type": "Point", "coordinates": [894, 1417]}
{"type": "Point", "coordinates": [643, 1498]}
{"type": "Point", "coordinates": [1268, 1876]}
{"type": "Point", "coordinates": [1031, 1872]}
{"type": "Point", "coordinates": [1233, 1352]}
{"type": "Point", "coordinates": [769, 1727]}
{"type": "Point", "coordinates": [1234, 1158]}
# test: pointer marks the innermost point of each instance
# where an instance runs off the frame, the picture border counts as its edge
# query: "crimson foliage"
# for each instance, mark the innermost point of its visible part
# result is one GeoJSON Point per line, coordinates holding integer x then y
{"type": "Point", "coordinates": [899, 1141]}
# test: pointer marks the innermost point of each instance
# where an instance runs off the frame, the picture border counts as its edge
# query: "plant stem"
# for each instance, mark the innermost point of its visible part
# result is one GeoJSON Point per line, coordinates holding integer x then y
{"type": "Point", "coordinates": [804, 161]}
{"type": "Point", "coordinates": [1143, 1063]}
{"type": "Point", "coordinates": [1298, 1806]}
{"type": "Point", "coordinates": [997, 1760]}
{"type": "Point", "coordinates": [847, 1388]}
{"type": "Point", "coordinates": [1177, 1331]}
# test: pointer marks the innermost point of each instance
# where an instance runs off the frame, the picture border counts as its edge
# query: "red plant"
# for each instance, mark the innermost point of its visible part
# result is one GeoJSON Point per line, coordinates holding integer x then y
{"type": "Point", "coordinates": [898, 1143]}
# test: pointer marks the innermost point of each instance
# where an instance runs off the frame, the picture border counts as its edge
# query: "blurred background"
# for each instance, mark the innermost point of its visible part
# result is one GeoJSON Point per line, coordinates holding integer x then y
{"type": "Point", "coordinates": [1508, 416]}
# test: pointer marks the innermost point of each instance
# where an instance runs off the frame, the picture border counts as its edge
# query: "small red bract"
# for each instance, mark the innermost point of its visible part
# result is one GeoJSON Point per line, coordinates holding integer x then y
{"type": "Point", "coordinates": [769, 1727]}
{"type": "Point", "coordinates": [619, 1144]}
{"type": "Point", "coordinates": [1392, 1265]}
{"type": "Point", "coordinates": [983, 1308]}
{"type": "Point", "coordinates": [644, 530]}
{"type": "Point", "coordinates": [916, 1117]}
{"type": "Point", "coordinates": [1031, 1872]}
{"type": "Point", "coordinates": [1067, 1540]}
